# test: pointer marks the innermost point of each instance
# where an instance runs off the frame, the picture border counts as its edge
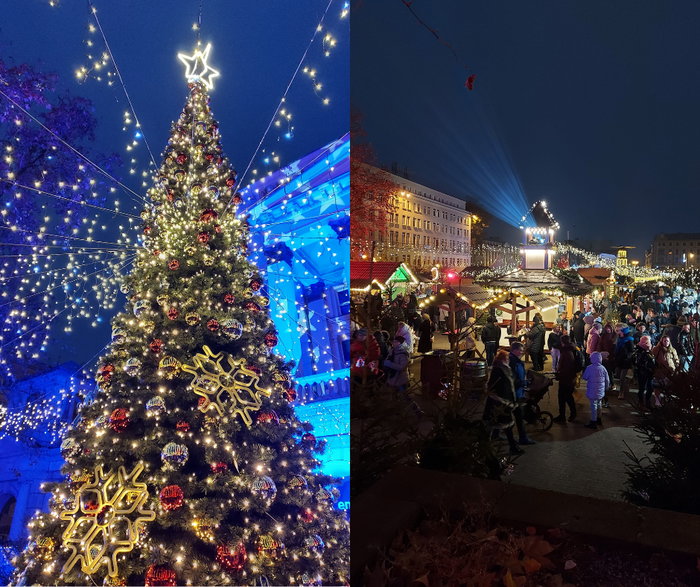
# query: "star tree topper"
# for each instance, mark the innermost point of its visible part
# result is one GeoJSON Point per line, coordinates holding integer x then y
{"type": "Point", "coordinates": [197, 67]}
{"type": "Point", "coordinates": [227, 387]}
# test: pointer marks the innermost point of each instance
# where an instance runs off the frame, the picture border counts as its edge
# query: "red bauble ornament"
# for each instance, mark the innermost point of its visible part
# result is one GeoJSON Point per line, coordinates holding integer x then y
{"type": "Point", "coordinates": [156, 252]}
{"type": "Point", "coordinates": [307, 515]}
{"type": "Point", "coordinates": [105, 370]}
{"type": "Point", "coordinates": [232, 560]}
{"type": "Point", "coordinates": [147, 230]}
{"type": "Point", "coordinates": [237, 199]}
{"type": "Point", "coordinates": [252, 306]}
{"type": "Point", "coordinates": [118, 420]}
{"type": "Point", "coordinates": [208, 215]}
{"type": "Point", "coordinates": [203, 237]}
{"type": "Point", "coordinates": [289, 394]}
{"type": "Point", "coordinates": [171, 497]}
{"type": "Point", "coordinates": [170, 195]}
{"type": "Point", "coordinates": [181, 158]}
{"type": "Point", "coordinates": [228, 298]}
{"type": "Point", "coordinates": [231, 181]}
{"type": "Point", "coordinates": [219, 468]}
{"type": "Point", "coordinates": [209, 156]}
{"type": "Point", "coordinates": [173, 313]}
{"type": "Point", "coordinates": [255, 283]}
{"type": "Point", "coordinates": [217, 228]}
{"type": "Point", "coordinates": [268, 417]}
{"type": "Point", "coordinates": [308, 440]}
{"type": "Point", "coordinates": [156, 345]}
{"type": "Point", "coordinates": [271, 339]}
{"type": "Point", "coordinates": [213, 325]}
{"type": "Point", "coordinates": [173, 264]}
{"type": "Point", "coordinates": [160, 575]}
{"type": "Point", "coordinates": [183, 425]}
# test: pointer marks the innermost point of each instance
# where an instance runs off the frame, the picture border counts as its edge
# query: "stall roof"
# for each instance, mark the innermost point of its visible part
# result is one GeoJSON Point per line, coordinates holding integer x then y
{"type": "Point", "coordinates": [478, 296]}
{"type": "Point", "coordinates": [382, 272]}
{"type": "Point", "coordinates": [539, 278]}
{"type": "Point", "coordinates": [595, 275]}
{"type": "Point", "coordinates": [542, 301]}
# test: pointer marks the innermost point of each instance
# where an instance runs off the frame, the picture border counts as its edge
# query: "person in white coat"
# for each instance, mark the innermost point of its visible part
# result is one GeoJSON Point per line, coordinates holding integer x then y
{"type": "Point", "coordinates": [405, 331]}
{"type": "Point", "coordinates": [597, 381]}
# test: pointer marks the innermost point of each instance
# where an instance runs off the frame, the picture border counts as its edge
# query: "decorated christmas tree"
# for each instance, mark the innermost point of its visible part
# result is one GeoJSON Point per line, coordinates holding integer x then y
{"type": "Point", "coordinates": [189, 466]}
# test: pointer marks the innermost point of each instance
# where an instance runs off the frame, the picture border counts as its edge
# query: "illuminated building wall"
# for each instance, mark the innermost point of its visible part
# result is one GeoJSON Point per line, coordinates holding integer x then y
{"type": "Point", "coordinates": [299, 219]}
{"type": "Point", "coordinates": [426, 227]}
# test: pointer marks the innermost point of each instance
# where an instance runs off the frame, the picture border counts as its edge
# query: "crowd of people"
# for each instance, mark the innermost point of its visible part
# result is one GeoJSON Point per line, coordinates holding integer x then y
{"type": "Point", "coordinates": [644, 336]}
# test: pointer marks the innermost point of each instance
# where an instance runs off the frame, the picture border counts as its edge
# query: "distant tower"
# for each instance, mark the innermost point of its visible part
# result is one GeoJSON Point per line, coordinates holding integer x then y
{"type": "Point", "coordinates": [538, 240]}
{"type": "Point", "coordinates": [621, 260]}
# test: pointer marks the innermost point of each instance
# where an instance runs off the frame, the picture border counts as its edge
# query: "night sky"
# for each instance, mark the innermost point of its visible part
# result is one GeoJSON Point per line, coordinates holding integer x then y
{"type": "Point", "coordinates": [256, 48]}
{"type": "Point", "coordinates": [593, 106]}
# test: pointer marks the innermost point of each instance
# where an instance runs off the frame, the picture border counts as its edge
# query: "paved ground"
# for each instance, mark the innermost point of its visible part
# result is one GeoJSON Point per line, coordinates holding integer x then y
{"type": "Point", "coordinates": [571, 458]}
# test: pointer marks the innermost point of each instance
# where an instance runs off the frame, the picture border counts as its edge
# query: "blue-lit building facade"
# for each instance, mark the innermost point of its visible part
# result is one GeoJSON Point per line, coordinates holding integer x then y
{"type": "Point", "coordinates": [299, 219]}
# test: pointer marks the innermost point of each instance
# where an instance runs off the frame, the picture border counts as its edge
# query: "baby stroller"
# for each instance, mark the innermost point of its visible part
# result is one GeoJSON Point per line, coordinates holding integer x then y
{"type": "Point", "coordinates": [537, 386]}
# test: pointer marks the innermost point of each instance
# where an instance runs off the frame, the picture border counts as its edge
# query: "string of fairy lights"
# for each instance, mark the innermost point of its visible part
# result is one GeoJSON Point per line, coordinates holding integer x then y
{"type": "Point", "coordinates": [75, 270]}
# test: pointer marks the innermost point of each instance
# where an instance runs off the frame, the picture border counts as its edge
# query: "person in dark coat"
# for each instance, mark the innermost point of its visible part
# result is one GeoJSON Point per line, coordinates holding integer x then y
{"type": "Point", "coordinates": [644, 364]}
{"type": "Point", "coordinates": [578, 328]}
{"type": "Point", "coordinates": [425, 342]}
{"type": "Point", "coordinates": [491, 337]}
{"type": "Point", "coordinates": [536, 343]}
{"type": "Point", "coordinates": [517, 367]}
{"type": "Point", "coordinates": [566, 374]}
{"type": "Point", "coordinates": [501, 400]}
{"type": "Point", "coordinates": [624, 349]}
{"type": "Point", "coordinates": [686, 347]}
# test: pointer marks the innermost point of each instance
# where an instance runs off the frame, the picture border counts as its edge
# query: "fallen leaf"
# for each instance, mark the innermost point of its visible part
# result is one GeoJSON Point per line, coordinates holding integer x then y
{"type": "Point", "coordinates": [568, 565]}
{"type": "Point", "coordinates": [424, 579]}
{"type": "Point", "coordinates": [531, 565]}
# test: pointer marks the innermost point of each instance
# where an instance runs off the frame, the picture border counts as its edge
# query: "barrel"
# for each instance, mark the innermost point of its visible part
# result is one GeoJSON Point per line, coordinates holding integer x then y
{"type": "Point", "coordinates": [473, 378]}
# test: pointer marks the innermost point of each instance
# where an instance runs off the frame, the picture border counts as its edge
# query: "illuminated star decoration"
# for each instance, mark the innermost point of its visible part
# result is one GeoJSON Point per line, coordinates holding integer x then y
{"type": "Point", "coordinates": [107, 524]}
{"type": "Point", "coordinates": [234, 389]}
{"type": "Point", "coordinates": [197, 67]}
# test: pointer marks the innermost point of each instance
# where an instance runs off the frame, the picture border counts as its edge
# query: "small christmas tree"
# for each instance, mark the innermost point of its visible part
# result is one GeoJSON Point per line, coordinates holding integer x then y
{"type": "Point", "coordinates": [189, 466]}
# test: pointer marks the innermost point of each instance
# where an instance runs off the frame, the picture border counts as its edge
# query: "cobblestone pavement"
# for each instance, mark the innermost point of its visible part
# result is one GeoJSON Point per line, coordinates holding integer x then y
{"type": "Point", "coordinates": [571, 458]}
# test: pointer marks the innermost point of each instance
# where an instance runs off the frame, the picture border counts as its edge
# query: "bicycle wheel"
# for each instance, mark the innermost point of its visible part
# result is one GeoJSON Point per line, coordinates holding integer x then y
{"type": "Point", "coordinates": [544, 421]}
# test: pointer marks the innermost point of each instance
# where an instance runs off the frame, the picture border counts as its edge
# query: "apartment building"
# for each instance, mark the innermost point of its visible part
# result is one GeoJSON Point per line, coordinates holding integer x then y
{"type": "Point", "coordinates": [426, 227]}
{"type": "Point", "coordinates": [675, 250]}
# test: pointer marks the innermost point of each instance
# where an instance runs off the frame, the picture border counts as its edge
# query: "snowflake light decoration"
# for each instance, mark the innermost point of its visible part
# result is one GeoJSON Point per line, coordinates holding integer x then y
{"type": "Point", "coordinates": [105, 518]}
{"type": "Point", "coordinates": [226, 384]}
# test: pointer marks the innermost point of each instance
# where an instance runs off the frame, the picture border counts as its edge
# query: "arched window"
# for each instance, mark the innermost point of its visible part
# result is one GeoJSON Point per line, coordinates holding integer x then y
{"type": "Point", "coordinates": [6, 514]}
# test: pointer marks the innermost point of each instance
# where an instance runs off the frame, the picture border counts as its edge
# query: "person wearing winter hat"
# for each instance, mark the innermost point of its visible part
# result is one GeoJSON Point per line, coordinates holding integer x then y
{"type": "Point", "coordinates": [624, 349]}
{"type": "Point", "coordinates": [597, 381]}
{"type": "Point", "coordinates": [644, 364]}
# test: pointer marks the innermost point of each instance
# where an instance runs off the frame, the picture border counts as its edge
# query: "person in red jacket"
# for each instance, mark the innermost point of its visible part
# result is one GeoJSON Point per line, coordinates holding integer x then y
{"type": "Point", "coordinates": [606, 347]}
{"type": "Point", "coordinates": [364, 355]}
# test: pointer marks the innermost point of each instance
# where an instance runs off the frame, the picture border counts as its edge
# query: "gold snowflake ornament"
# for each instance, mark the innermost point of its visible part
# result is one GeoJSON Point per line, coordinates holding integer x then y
{"type": "Point", "coordinates": [226, 384]}
{"type": "Point", "coordinates": [105, 518]}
